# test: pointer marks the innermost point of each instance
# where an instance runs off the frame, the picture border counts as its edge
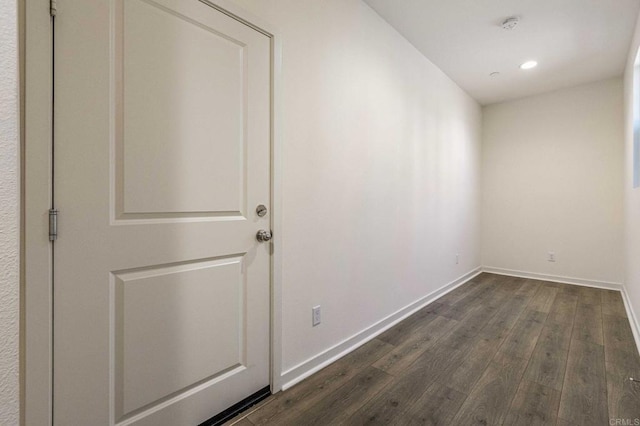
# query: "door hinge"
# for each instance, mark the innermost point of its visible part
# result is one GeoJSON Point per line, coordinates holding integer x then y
{"type": "Point", "coordinates": [53, 7]}
{"type": "Point", "coordinates": [53, 225]}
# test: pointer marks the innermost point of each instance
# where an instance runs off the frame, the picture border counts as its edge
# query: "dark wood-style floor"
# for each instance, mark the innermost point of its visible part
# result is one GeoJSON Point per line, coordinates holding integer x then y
{"type": "Point", "coordinates": [497, 350]}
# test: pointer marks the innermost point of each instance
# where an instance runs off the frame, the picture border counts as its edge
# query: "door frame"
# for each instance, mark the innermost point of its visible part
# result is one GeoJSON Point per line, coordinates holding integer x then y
{"type": "Point", "coordinates": [37, 358]}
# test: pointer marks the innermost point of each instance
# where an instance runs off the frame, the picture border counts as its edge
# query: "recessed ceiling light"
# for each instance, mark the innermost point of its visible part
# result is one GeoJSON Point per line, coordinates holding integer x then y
{"type": "Point", "coordinates": [528, 65]}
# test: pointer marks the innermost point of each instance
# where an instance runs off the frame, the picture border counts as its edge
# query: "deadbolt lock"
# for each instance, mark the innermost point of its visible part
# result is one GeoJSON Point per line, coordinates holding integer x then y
{"type": "Point", "coordinates": [261, 210]}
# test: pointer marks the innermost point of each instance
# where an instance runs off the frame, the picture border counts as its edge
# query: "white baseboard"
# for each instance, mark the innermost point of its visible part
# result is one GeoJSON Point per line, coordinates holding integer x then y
{"type": "Point", "coordinates": [633, 319]}
{"type": "Point", "coordinates": [317, 362]}
{"type": "Point", "coordinates": [554, 278]}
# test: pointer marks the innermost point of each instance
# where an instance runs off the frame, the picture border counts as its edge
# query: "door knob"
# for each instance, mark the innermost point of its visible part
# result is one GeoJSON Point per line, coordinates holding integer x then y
{"type": "Point", "coordinates": [263, 236]}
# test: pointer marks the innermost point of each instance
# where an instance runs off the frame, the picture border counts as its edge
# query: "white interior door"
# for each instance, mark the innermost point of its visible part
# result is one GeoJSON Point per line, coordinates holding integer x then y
{"type": "Point", "coordinates": [162, 153]}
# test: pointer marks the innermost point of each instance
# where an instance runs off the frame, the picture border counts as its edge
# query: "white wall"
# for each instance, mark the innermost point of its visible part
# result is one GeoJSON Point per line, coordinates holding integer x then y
{"type": "Point", "coordinates": [631, 195]}
{"type": "Point", "coordinates": [9, 215]}
{"type": "Point", "coordinates": [552, 182]}
{"type": "Point", "coordinates": [381, 172]}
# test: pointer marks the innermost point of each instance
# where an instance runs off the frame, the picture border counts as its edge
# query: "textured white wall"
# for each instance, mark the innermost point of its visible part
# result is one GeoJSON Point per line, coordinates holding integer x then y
{"type": "Point", "coordinates": [552, 182]}
{"type": "Point", "coordinates": [381, 172]}
{"type": "Point", "coordinates": [9, 216]}
{"type": "Point", "coordinates": [631, 195]}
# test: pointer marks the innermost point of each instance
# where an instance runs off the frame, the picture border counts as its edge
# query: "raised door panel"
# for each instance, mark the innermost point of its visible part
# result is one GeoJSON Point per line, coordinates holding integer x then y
{"type": "Point", "coordinates": [176, 327]}
{"type": "Point", "coordinates": [182, 105]}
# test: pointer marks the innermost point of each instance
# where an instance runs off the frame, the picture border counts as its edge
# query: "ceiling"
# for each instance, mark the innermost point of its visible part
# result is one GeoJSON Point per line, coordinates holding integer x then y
{"type": "Point", "coordinates": [574, 41]}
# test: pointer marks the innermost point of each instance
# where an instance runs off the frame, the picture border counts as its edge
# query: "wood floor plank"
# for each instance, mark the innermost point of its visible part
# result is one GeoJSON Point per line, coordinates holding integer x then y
{"type": "Point", "coordinates": [339, 405]}
{"type": "Point", "coordinates": [403, 355]}
{"type": "Point", "coordinates": [548, 361]}
{"type": "Point", "coordinates": [243, 419]}
{"type": "Point", "coordinates": [477, 315]}
{"type": "Point", "coordinates": [588, 323]}
{"type": "Point", "coordinates": [490, 290]}
{"type": "Point", "coordinates": [564, 308]}
{"type": "Point", "coordinates": [488, 276]}
{"type": "Point", "coordinates": [543, 299]}
{"type": "Point", "coordinates": [489, 401]}
{"type": "Point", "coordinates": [386, 407]}
{"type": "Point", "coordinates": [491, 337]}
{"type": "Point", "coordinates": [533, 404]}
{"type": "Point", "coordinates": [622, 362]}
{"type": "Point", "coordinates": [523, 337]}
{"type": "Point", "coordinates": [504, 320]}
{"type": "Point", "coordinates": [325, 381]}
{"type": "Point", "coordinates": [589, 296]}
{"type": "Point", "coordinates": [461, 292]}
{"type": "Point", "coordinates": [475, 286]}
{"type": "Point", "coordinates": [612, 303]}
{"type": "Point", "coordinates": [528, 288]}
{"type": "Point", "coordinates": [618, 339]}
{"type": "Point", "coordinates": [239, 422]}
{"type": "Point", "coordinates": [394, 401]}
{"type": "Point", "coordinates": [465, 334]}
{"type": "Point", "coordinates": [623, 394]}
{"type": "Point", "coordinates": [551, 284]}
{"type": "Point", "coordinates": [437, 406]}
{"type": "Point", "coordinates": [563, 422]}
{"type": "Point", "coordinates": [501, 286]}
{"type": "Point", "coordinates": [584, 393]}
{"type": "Point", "coordinates": [573, 290]}
{"type": "Point", "coordinates": [398, 333]}
{"type": "Point", "coordinates": [467, 373]}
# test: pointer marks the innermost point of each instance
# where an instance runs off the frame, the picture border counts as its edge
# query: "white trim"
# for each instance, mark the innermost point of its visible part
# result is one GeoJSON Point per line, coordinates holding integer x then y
{"type": "Point", "coordinates": [276, 217]}
{"type": "Point", "coordinates": [553, 278]}
{"type": "Point", "coordinates": [633, 319]}
{"type": "Point", "coordinates": [232, 9]}
{"type": "Point", "coordinates": [318, 362]}
{"type": "Point", "coordinates": [38, 294]}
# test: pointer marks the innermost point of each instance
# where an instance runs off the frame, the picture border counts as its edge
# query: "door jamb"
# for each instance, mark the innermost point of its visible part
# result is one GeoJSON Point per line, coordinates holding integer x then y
{"type": "Point", "coordinates": [37, 304]}
{"type": "Point", "coordinates": [38, 291]}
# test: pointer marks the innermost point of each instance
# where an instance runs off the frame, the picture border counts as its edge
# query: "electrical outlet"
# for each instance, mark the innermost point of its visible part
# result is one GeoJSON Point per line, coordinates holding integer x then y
{"type": "Point", "coordinates": [315, 315]}
{"type": "Point", "coordinates": [457, 258]}
{"type": "Point", "coordinates": [551, 256]}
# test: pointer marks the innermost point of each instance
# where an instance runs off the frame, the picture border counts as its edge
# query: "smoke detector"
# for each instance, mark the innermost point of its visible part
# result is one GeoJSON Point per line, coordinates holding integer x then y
{"type": "Point", "coordinates": [510, 23]}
